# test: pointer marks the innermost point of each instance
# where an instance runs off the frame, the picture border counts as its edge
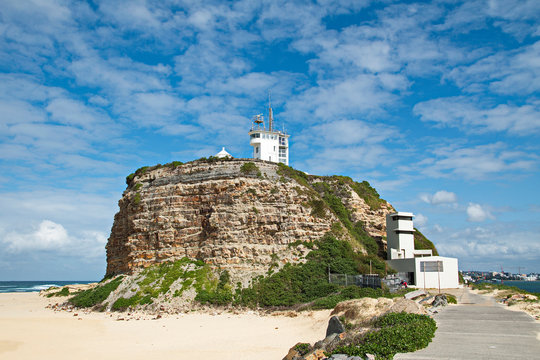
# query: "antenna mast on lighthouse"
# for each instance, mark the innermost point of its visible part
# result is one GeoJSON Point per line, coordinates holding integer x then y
{"type": "Point", "coordinates": [270, 114]}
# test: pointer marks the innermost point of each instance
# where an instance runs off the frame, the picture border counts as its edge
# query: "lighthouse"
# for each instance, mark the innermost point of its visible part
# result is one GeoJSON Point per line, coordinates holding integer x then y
{"type": "Point", "coordinates": [268, 144]}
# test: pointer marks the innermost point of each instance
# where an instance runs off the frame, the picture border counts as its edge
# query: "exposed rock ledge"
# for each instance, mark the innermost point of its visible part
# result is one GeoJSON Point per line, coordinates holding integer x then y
{"type": "Point", "coordinates": [241, 221]}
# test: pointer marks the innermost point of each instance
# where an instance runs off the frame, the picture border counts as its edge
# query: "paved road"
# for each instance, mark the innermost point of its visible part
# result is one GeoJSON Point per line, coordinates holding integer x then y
{"type": "Point", "coordinates": [480, 328]}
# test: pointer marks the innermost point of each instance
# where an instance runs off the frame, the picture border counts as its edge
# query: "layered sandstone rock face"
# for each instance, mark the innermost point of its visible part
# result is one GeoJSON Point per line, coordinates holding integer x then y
{"type": "Point", "coordinates": [229, 218]}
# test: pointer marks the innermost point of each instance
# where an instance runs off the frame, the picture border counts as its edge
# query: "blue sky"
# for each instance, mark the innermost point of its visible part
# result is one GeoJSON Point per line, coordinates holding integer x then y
{"type": "Point", "coordinates": [436, 104]}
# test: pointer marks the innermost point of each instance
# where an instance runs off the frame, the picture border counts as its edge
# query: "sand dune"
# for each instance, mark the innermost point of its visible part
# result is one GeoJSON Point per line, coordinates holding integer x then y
{"type": "Point", "coordinates": [29, 331]}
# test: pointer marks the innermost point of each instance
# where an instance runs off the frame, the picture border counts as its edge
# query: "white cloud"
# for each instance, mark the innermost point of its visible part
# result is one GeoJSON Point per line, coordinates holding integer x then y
{"type": "Point", "coordinates": [505, 72]}
{"type": "Point", "coordinates": [490, 245]}
{"type": "Point", "coordinates": [48, 236]}
{"type": "Point", "coordinates": [420, 220]}
{"type": "Point", "coordinates": [478, 162]}
{"type": "Point", "coordinates": [440, 197]}
{"type": "Point", "coordinates": [471, 116]}
{"type": "Point", "coordinates": [478, 213]}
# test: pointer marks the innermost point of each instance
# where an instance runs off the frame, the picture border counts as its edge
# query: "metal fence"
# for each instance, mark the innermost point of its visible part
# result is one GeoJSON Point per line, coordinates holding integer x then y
{"type": "Point", "coordinates": [368, 280]}
{"type": "Point", "coordinates": [393, 282]}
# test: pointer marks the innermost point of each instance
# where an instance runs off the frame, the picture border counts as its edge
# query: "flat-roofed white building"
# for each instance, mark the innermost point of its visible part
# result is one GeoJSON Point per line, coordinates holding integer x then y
{"type": "Point", "coordinates": [400, 237]}
{"type": "Point", "coordinates": [268, 144]}
{"type": "Point", "coordinates": [422, 268]}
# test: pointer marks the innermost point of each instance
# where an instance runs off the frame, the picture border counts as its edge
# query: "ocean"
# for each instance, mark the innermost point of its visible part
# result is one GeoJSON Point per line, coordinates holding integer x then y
{"type": "Point", "coordinates": [33, 286]}
{"type": "Point", "coordinates": [530, 286]}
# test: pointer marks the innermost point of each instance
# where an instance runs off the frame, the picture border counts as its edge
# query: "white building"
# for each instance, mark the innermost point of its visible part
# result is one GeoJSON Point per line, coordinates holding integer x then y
{"type": "Point", "coordinates": [269, 144]}
{"type": "Point", "coordinates": [422, 268]}
{"type": "Point", "coordinates": [223, 154]}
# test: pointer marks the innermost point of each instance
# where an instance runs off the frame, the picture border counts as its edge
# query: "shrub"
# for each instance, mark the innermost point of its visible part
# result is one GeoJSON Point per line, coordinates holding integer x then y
{"type": "Point", "coordinates": [451, 299]}
{"type": "Point", "coordinates": [302, 348]}
{"type": "Point", "coordinates": [250, 168]}
{"type": "Point", "coordinates": [397, 333]}
{"type": "Point", "coordinates": [217, 294]}
{"type": "Point", "coordinates": [124, 303]}
{"type": "Point", "coordinates": [287, 171]}
{"type": "Point", "coordinates": [63, 292]}
{"type": "Point", "coordinates": [304, 282]}
{"type": "Point", "coordinates": [422, 243]}
{"type": "Point", "coordinates": [91, 297]}
{"type": "Point", "coordinates": [318, 208]}
{"type": "Point", "coordinates": [174, 164]}
{"type": "Point", "coordinates": [137, 199]}
{"type": "Point", "coordinates": [130, 178]}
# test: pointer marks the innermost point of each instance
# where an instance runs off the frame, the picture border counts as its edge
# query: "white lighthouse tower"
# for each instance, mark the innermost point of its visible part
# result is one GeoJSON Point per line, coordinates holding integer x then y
{"type": "Point", "coordinates": [268, 144]}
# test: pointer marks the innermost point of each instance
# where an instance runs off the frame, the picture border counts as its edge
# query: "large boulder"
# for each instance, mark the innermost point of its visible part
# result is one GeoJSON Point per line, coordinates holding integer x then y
{"type": "Point", "coordinates": [334, 326]}
{"type": "Point", "coordinates": [440, 300]}
{"type": "Point", "coordinates": [361, 311]}
{"type": "Point", "coordinates": [408, 306]}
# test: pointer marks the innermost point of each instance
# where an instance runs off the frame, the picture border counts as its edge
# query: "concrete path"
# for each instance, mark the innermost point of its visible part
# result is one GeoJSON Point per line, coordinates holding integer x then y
{"type": "Point", "coordinates": [480, 328]}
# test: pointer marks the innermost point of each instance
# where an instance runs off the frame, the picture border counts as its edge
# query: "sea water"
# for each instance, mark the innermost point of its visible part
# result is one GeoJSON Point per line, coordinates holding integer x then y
{"type": "Point", "coordinates": [530, 286]}
{"type": "Point", "coordinates": [32, 286]}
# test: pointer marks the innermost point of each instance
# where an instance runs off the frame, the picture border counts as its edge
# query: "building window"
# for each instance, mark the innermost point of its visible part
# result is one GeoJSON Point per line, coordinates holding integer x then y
{"type": "Point", "coordinates": [257, 149]}
{"type": "Point", "coordinates": [409, 218]}
{"type": "Point", "coordinates": [431, 266]}
{"type": "Point", "coordinates": [274, 148]}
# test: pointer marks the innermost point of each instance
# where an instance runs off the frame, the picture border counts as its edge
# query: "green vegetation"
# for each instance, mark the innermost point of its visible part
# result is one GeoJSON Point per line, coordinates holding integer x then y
{"type": "Point", "coordinates": [287, 171]}
{"type": "Point", "coordinates": [137, 186]}
{"type": "Point", "coordinates": [363, 189]}
{"type": "Point", "coordinates": [124, 303]}
{"type": "Point", "coordinates": [174, 164]}
{"type": "Point", "coordinates": [217, 293]}
{"type": "Point", "coordinates": [302, 348]}
{"type": "Point", "coordinates": [396, 333]}
{"type": "Point", "coordinates": [250, 168]}
{"type": "Point", "coordinates": [142, 170]}
{"type": "Point", "coordinates": [305, 282]}
{"type": "Point", "coordinates": [91, 297]}
{"type": "Point", "coordinates": [318, 208]}
{"type": "Point", "coordinates": [368, 193]}
{"type": "Point", "coordinates": [158, 279]}
{"type": "Point", "coordinates": [451, 299]}
{"type": "Point", "coordinates": [63, 292]}
{"type": "Point", "coordinates": [137, 199]}
{"type": "Point", "coordinates": [422, 243]}
{"type": "Point", "coordinates": [355, 229]}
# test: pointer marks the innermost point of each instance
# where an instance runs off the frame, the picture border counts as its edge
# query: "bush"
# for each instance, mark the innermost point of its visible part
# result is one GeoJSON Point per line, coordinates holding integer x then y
{"type": "Point", "coordinates": [302, 348]}
{"type": "Point", "coordinates": [397, 333]}
{"type": "Point", "coordinates": [304, 282]}
{"type": "Point", "coordinates": [250, 168]}
{"type": "Point", "coordinates": [91, 297]}
{"type": "Point", "coordinates": [422, 243]}
{"type": "Point", "coordinates": [287, 171]}
{"type": "Point", "coordinates": [451, 299]}
{"type": "Point", "coordinates": [318, 208]}
{"type": "Point", "coordinates": [63, 292]}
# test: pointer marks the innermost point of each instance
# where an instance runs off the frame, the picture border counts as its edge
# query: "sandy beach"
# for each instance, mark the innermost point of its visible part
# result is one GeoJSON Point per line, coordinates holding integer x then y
{"type": "Point", "coordinates": [28, 330]}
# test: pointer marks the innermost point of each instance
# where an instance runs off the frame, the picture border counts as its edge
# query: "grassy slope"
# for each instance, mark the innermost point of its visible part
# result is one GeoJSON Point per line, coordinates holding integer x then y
{"type": "Point", "coordinates": [422, 243]}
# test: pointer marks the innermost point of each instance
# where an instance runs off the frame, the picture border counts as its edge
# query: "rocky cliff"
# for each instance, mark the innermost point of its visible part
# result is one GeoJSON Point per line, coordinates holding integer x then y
{"type": "Point", "coordinates": [241, 215]}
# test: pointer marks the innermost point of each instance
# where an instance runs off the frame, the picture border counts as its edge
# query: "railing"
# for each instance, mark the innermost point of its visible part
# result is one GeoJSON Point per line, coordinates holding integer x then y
{"type": "Point", "coordinates": [393, 282]}
{"type": "Point", "coordinates": [368, 280]}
